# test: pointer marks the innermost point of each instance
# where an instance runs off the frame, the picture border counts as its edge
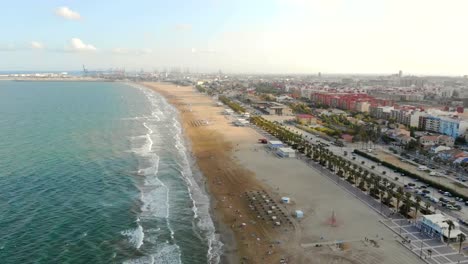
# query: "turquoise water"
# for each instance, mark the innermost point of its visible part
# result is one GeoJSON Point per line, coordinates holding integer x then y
{"type": "Point", "coordinates": [97, 173]}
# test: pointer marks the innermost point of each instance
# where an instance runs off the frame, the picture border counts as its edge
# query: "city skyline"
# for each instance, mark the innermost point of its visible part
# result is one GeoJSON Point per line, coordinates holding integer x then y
{"type": "Point", "coordinates": [281, 36]}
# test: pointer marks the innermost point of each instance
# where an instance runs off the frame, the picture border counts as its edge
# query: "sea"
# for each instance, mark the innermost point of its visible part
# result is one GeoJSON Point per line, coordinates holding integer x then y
{"type": "Point", "coordinates": [98, 172]}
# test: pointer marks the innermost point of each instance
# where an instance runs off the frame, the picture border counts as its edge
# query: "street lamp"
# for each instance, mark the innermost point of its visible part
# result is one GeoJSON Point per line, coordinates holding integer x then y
{"type": "Point", "coordinates": [420, 253]}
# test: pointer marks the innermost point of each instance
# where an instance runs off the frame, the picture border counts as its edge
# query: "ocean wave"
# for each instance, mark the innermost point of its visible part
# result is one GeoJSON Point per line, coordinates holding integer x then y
{"type": "Point", "coordinates": [200, 201]}
{"type": "Point", "coordinates": [155, 194]}
{"type": "Point", "coordinates": [166, 254]}
{"type": "Point", "coordinates": [135, 236]}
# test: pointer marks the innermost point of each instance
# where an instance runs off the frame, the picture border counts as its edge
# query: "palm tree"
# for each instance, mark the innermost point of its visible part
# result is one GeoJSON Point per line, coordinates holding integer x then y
{"type": "Point", "coordinates": [461, 238]}
{"type": "Point", "coordinates": [390, 195]}
{"type": "Point", "coordinates": [417, 205]}
{"type": "Point", "coordinates": [400, 190]}
{"type": "Point", "coordinates": [451, 226]}
{"type": "Point", "coordinates": [427, 205]}
{"type": "Point", "coordinates": [385, 182]}
{"type": "Point", "coordinates": [408, 205]}
{"type": "Point", "coordinates": [361, 185]}
{"type": "Point", "coordinates": [398, 197]}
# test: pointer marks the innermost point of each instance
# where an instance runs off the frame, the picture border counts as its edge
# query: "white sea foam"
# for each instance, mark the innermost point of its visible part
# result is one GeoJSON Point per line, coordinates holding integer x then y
{"type": "Point", "coordinates": [155, 193]}
{"type": "Point", "coordinates": [166, 254]}
{"type": "Point", "coordinates": [200, 201]}
{"type": "Point", "coordinates": [135, 236]}
{"type": "Point", "coordinates": [142, 260]}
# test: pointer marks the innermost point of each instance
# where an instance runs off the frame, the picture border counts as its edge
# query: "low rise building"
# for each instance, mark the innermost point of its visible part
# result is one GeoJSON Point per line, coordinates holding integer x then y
{"type": "Point", "coordinates": [446, 140]}
{"type": "Point", "coordinates": [381, 112]}
{"type": "Point", "coordinates": [436, 225]}
{"type": "Point", "coordinates": [274, 144]}
{"type": "Point", "coordinates": [437, 140]}
{"type": "Point", "coordinates": [286, 152]}
{"type": "Point", "coordinates": [305, 119]}
{"type": "Point", "coordinates": [428, 140]}
{"type": "Point", "coordinates": [278, 109]}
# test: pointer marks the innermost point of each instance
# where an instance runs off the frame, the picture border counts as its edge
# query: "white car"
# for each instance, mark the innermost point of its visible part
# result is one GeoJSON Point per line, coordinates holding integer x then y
{"type": "Point", "coordinates": [422, 168]}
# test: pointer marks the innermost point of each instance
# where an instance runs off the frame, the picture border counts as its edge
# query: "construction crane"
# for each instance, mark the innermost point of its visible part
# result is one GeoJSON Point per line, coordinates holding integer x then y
{"type": "Point", "coordinates": [85, 71]}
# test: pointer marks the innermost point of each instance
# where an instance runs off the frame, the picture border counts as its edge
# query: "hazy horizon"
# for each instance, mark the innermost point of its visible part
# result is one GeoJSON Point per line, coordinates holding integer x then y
{"type": "Point", "coordinates": [261, 37]}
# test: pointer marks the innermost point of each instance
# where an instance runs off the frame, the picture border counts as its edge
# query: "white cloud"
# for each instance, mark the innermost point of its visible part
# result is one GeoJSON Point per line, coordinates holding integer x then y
{"type": "Point", "coordinates": [36, 45]}
{"type": "Point", "coordinates": [67, 13]}
{"type": "Point", "coordinates": [77, 45]}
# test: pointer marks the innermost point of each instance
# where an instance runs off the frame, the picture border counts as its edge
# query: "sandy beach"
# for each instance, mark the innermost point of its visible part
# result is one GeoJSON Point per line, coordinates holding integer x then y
{"type": "Point", "coordinates": [233, 163]}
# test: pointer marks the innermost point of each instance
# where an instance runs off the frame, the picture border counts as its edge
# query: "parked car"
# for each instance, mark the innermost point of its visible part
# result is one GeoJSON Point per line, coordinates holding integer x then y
{"type": "Point", "coordinates": [463, 221]}
{"type": "Point", "coordinates": [426, 191]}
{"type": "Point", "coordinates": [434, 200]}
{"type": "Point", "coordinates": [451, 207]}
{"type": "Point", "coordinates": [443, 199]}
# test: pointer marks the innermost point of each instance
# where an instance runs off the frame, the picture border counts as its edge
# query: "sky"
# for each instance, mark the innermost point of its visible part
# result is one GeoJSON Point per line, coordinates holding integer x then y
{"type": "Point", "coordinates": [242, 36]}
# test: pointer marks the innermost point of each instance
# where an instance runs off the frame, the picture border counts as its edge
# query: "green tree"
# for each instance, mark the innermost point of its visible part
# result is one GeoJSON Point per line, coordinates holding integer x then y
{"type": "Point", "coordinates": [451, 226]}
{"type": "Point", "coordinates": [417, 205]}
{"type": "Point", "coordinates": [461, 239]}
{"type": "Point", "coordinates": [460, 141]}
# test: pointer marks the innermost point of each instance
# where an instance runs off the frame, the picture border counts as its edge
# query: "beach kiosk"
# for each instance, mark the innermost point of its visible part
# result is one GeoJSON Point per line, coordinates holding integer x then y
{"type": "Point", "coordinates": [299, 214]}
{"type": "Point", "coordinates": [274, 144]}
{"type": "Point", "coordinates": [286, 152]}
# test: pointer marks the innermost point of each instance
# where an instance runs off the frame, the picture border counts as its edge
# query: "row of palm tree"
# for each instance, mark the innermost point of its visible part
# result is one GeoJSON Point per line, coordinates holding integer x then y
{"type": "Point", "coordinates": [377, 186]}
{"type": "Point", "coordinates": [234, 106]}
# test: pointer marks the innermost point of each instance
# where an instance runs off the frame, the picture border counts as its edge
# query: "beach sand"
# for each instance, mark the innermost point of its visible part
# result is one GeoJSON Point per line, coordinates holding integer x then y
{"type": "Point", "coordinates": [232, 163]}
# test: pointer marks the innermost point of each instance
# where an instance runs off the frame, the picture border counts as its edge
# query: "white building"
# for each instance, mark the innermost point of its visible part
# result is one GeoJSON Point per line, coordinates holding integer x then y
{"type": "Point", "coordinates": [273, 144]}
{"type": "Point", "coordinates": [436, 226]}
{"type": "Point", "coordinates": [286, 152]}
{"type": "Point", "coordinates": [284, 98]}
{"type": "Point", "coordinates": [414, 118]}
{"type": "Point", "coordinates": [363, 107]}
{"type": "Point", "coordinates": [306, 92]}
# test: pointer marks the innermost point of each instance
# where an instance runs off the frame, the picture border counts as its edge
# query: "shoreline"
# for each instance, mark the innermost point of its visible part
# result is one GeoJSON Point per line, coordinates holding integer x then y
{"type": "Point", "coordinates": [225, 234]}
{"type": "Point", "coordinates": [226, 180]}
